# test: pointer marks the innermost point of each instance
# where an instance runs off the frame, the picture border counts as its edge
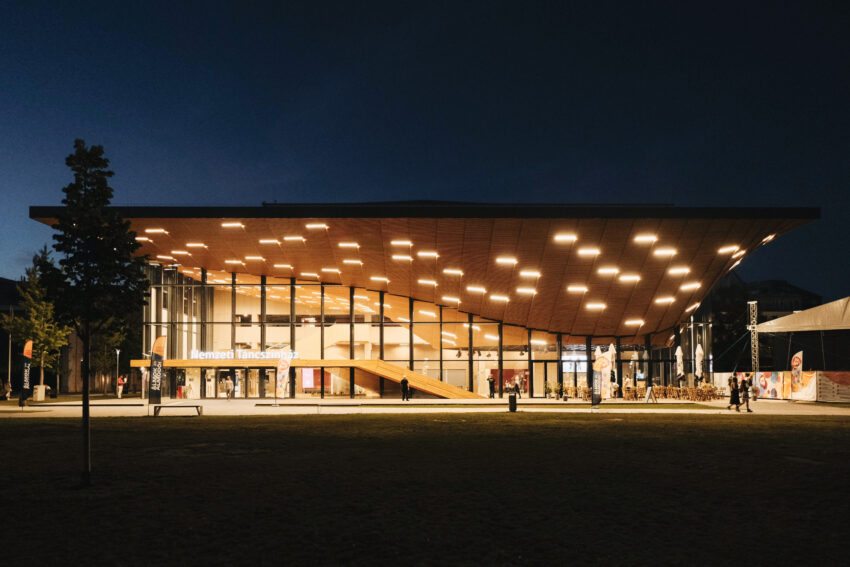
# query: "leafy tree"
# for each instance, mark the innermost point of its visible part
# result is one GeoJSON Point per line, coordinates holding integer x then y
{"type": "Point", "coordinates": [39, 323]}
{"type": "Point", "coordinates": [99, 284]}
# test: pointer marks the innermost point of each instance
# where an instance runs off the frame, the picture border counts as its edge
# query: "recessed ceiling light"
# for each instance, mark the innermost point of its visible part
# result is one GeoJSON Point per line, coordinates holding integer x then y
{"type": "Point", "coordinates": [492, 337]}
{"type": "Point", "coordinates": [379, 279]}
{"type": "Point", "coordinates": [692, 307]}
{"type": "Point", "coordinates": [294, 238]}
{"type": "Point", "coordinates": [255, 258]}
{"type": "Point", "coordinates": [283, 266]}
{"type": "Point", "coordinates": [735, 265]}
{"type": "Point", "coordinates": [309, 274]}
{"type": "Point", "coordinates": [451, 299]}
{"type": "Point", "coordinates": [404, 319]}
{"type": "Point", "coordinates": [401, 243]}
{"type": "Point", "coordinates": [427, 254]}
{"type": "Point", "coordinates": [475, 289]}
{"type": "Point", "coordinates": [576, 288]}
{"type": "Point", "coordinates": [269, 241]}
{"type": "Point", "coordinates": [331, 270]}
{"type": "Point", "coordinates": [645, 238]}
{"type": "Point", "coordinates": [690, 286]}
{"type": "Point", "coordinates": [232, 225]}
{"type": "Point", "coordinates": [164, 257]}
{"type": "Point", "coordinates": [629, 278]}
{"type": "Point", "coordinates": [608, 270]}
{"type": "Point", "coordinates": [666, 299]}
{"type": "Point", "coordinates": [427, 282]}
{"type": "Point", "coordinates": [448, 334]}
{"type": "Point", "coordinates": [449, 342]}
{"type": "Point", "coordinates": [180, 253]}
{"type": "Point", "coordinates": [565, 237]}
{"type": "Point", "coordinates": [353, 261]}
{"type": "Point", "coordinates": [474, 327]}
{"type": "Point", "coordinates": [348, 245]}
{"type": "Point", "coordinates": [595, 306]}
{"type": "Point", "coordinates": [402, 257]}
{"type": "Point", "coordinates": [156, 231]}
{"type": "Point", "coordinates": [679, 271]}
{"type": "Point", "coordinates": [538, 342]}
{"type": "Point", "coordinates": [768, 238]}
{"type": "Point", "coordinates": [634, 322]}
{"type": "Point", "coordinates": [316, 225]}
{"type": "Point", "coordinates": [728, 249]}
{"type": "Point", "coordinates": [506, 260]}
{"type": "Point", "coordinates": [195, 245]}
{"type": "Point", "coordinates": [529, 274]}
{"type": "Point", "coordinates": [526, 290]}
{"type": "Point", "coordinates": [143, 239]}
{"type": "Point", "coordinates": [589, 251]}
{"type": "Point", "coordinates": [664, 252]}
{"type": "Point", "coordinates": [234, 262]}
{"type": "Point", "coordinates": [427, 313]}
{"type": "Point", "coordinates": [739, 253]}
{"type": "Point", "coordinates": [453, 272]}
{"type": "Point", "coordinates": [366, 297]}
{"type": "Point", "coordinates": [497, 297]}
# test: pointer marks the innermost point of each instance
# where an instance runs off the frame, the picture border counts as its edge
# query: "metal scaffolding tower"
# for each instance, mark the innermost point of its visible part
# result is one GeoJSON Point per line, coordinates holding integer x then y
{"type": "Point", "coordinates": [754, 335]}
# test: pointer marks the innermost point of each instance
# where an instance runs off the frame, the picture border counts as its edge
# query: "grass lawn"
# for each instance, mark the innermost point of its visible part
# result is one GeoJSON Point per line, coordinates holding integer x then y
{"type": "Point", "coordinates": [429, 489]}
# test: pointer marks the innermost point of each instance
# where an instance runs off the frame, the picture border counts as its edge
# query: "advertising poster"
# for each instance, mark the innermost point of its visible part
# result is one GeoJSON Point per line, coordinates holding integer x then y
{"type": "Point", "coordinates": [282, 372]}
{"type": "Point", "coordinates": [26, 385]}
{"type": "Point", "coordinates": [769, 385]}
{"type": "Point", "coordinates": [157, 357]}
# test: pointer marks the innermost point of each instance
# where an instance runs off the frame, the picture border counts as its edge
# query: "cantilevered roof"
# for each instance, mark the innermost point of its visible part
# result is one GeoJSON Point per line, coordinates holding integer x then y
{"type": "Point", "coordinates": [649, 266]}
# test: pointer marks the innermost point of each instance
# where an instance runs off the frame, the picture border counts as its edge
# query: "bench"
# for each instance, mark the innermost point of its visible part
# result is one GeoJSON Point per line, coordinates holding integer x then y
{"type": "Point", "coordinates": [159, 408]}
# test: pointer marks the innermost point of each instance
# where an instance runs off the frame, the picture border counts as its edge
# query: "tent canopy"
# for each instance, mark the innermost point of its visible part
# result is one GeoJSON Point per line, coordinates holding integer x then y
{"type": "Point", "coordinates": [827, 317]}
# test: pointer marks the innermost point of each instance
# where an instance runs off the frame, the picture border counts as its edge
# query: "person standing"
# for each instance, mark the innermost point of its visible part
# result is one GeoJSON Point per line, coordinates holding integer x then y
{"type": "Point", "coordinates": [228, 387]}
{"type": "Point", "coordinates": [121, 382]}
{"type": "Point", "coordinates": [405, 388]}
{"type": "Point", "coordinates": [491, 384]}
{"type": "Point", "coordinates": [745, 394]}
{"type": "Point", "coordinates": [734, 394]}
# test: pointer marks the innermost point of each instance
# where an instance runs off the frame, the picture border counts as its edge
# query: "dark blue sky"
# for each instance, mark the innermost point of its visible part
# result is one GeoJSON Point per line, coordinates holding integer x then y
{"type": "Point", "coordinates": [237, 103]}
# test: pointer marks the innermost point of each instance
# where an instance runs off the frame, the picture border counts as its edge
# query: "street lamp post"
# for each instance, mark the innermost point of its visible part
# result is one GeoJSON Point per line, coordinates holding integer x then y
{"type": "Point", "coordinates": [117, 352]}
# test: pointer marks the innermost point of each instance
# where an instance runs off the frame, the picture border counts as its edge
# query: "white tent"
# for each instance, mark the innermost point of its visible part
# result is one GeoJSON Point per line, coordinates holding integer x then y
{"type": "Point", "coordinates": [827, 317]}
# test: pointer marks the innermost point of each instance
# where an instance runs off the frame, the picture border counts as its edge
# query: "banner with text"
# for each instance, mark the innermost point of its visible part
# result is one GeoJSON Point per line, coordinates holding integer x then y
{"type": "Point", "coordinates": [157, 356]}
{"type": "Point", "coordinates": [26, 385]}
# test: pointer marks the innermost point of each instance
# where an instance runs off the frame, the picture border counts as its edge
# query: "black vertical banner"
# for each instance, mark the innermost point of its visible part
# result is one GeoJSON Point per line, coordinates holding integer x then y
{"type": "Point", "coordinates": [26, 384]}
{"type": "Point", "coordinates": [157, 356]}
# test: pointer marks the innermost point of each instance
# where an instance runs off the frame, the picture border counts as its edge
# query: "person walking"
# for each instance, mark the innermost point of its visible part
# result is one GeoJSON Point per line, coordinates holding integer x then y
{"type": "Point", "coordinates": [745, 394]}
{"type": "Point", "coordinates": [405, 389]}
{"type": "Point", "coordinates": [491, 384]}
{"type": "Point", "coordinates": [228, 387]}
{"type": "Point", "coordinates": [121, 382]}
{"type": "Point", "coordinates": [734, 395]}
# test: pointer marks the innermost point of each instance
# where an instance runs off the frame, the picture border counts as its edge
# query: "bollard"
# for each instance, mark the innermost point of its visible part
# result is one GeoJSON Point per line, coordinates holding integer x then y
{"type": "Point", "coordinates": [512, 402]}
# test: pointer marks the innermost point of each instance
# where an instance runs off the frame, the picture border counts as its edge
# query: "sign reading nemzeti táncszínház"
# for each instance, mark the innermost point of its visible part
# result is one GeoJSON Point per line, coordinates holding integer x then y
{"type": "Point", "coordinates": [238, 354]}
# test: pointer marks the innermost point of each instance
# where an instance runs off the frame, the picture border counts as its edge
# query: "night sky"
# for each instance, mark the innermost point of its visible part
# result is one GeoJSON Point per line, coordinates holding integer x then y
{"type": "Point", "coordinates": [215, 103]}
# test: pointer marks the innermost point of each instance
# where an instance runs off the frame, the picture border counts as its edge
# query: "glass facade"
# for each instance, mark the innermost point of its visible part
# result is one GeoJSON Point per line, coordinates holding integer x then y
{"type": "Point", "coordinates": [217, 313]}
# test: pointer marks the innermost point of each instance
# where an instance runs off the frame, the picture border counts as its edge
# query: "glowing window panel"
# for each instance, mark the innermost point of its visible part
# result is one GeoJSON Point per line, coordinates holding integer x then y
{"type": "Point", "coordinates": [269, 241]}
{"type": "Point", "coordinates": [576, 288]}
{"type": "Point", "coordinates": [348, 245]}
{"type": "Point", "coordinates": [401, 243]}
{"type": "Point", "coordinates": [255, 258]}
{"type": "Point", "coordinates": [352, 261]}
{"type": "Point", "coordinates": [692, 307]}
{"type": "Point", "coordinates": [526, 290]}
{"type": "Point", "coordinates": [451, 299]}
{"type": "Point", "coordinates": [427, 254]}
{"type": "Point", "coordinates": [331, 270]}
{"type": "Point", "coordinates": [629, 278]}
{"type": "Point", "coordinates": [283, 266]}
{"type": "Point", "coordinates": [646, 238]}
{"type": "Point", "coordinates": [634, 322]}
{"type": "Point", "coordinates": [728, 249]}
{"type": "Point", "coordinates": [679, 271]}
{"type": "Point", "coordinates": [506, 260]}
{"type": "Point", "coordinates": [453, 272]}
{"type": "Point", "coordinates": [232, 225]}
{"type": "Point", "coordinates": [475, 289]}
{"type": "Point", "coordinates": [529, 274]}
{"type": "Point", "coordinates": [427, 282]}
{"type": "Point", "coordinates": [316, 226]}
{"type": "Point", "coordinates": [565, 237]}
{"type": "Point", "coordinates": [664, 252]}
{"type": "Point", "coordinates": [608, 271]}
{"type": "Point", "coordinates": [427, 313]}
{"type": "Point", "coordinates": [589, 251]}
{"type": "Point", "coordinates": [180, 253]}
{"type": "Point", "coordinates": [155, 231]}
{"type": "Point", "coordinates": [668, 299]}
{"type": "Point", "coordinates": [492, 337]}
{"type": "Point", "coordinates": [596, 306]}
{"type": "Point", "coordinates": [402, 257]}
{"type": "Point", "coordinates": [690, 286]}
{"type": "Point", "coordinates": [497, 297]}
{"type": "Point", "coordinates": [379, 279]}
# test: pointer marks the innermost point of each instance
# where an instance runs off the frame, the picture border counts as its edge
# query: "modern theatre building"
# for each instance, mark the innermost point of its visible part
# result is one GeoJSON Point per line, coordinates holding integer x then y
{"type": "Point", "coordinates": [447, 294]}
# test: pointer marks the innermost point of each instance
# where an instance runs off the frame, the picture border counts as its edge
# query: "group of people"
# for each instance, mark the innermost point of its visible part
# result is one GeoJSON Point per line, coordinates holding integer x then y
{"type": "Point", "coordinates": [739, 394]}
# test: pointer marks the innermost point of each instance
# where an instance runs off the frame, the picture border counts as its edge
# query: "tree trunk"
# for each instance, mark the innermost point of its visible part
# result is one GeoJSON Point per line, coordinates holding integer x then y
{"type": "Point", "coordinates": [41, 378]}
{"type": "Point", "coordinates": [85, 371]}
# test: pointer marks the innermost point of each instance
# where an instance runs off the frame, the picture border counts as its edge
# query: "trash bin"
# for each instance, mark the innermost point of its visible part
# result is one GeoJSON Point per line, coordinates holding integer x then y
{"type": "Point", "coordinates": [38, 393]}
{"type": "Point", "coordinates": [512, 402]}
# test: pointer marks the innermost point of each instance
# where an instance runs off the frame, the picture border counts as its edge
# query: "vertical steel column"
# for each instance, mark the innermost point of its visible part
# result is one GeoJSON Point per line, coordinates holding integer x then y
{"type": "Point", "coordinates": [381, 342]}
{"type": "Point", "coordinates": [410, 332]}
{"type": "Point", "coordinates": [647, 342]}
{"type": "Point", "coordinates": [501, 362]}
{"type": "Point", "coordinates": [203, 345]}
{"type": "Point", "coordinates": [530, 365]}
{"type": "Point", "coordinates": [322, 342]}
{"type": "Point", "coordinates": [351, 341]}
{"type": "Point", "coordinates": [441, 343]}
{"type": "Point", "coordinates": [588, 357]}
{"type": "Point", "coordinates": [471, 360]}
{"type": "Point", "coordinates": [292, 346]}
{"type": "Point", "coordinates": [262, 313]}
{"type": "Point", "coordinates": [233, 311]}
{"type": "Point", "coordinates": [560, 346]}
{"type": "Point", "coordinates": [619, 368]}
